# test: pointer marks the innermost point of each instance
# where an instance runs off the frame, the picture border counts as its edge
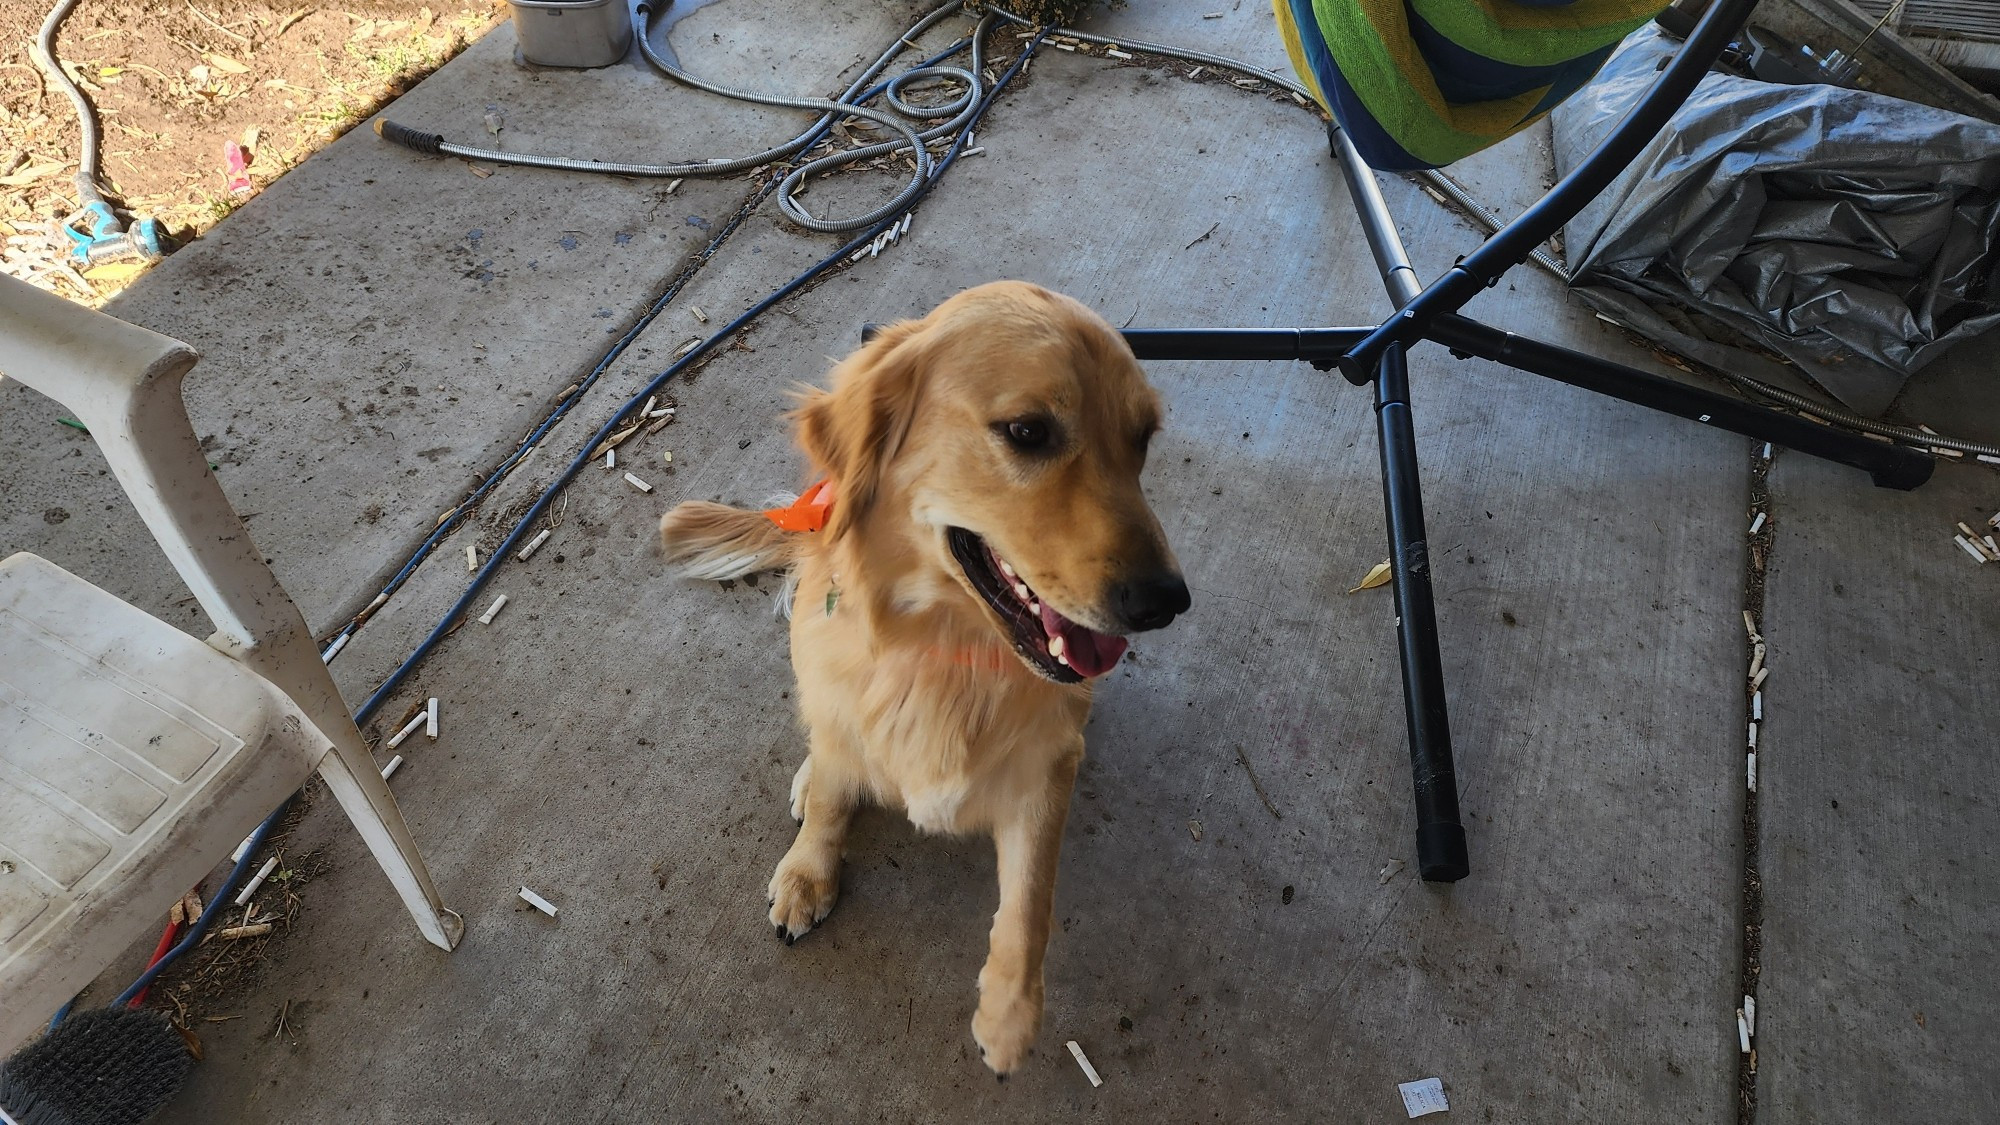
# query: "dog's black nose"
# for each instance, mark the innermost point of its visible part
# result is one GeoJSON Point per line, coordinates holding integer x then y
{"type": "Point", "coordinates": [1151, 602]}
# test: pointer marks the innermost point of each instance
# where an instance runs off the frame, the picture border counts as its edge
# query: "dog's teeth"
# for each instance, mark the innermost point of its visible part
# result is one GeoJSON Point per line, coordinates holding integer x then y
{"type": "Point", "coordinates": [1007, 570]}
{"type": "Point", "coordinates": [1022, 592]}
{"type": "Point", "coordinates": [1056, 647]}
{"type": "Point", "coordinates": [1035, 608]}
{"type": "Point", "coordinates": [1063, 660]}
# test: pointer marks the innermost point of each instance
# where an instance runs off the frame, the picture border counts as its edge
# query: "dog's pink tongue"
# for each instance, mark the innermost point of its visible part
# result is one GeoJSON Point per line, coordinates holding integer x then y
{"type": "Point", "coordinates": [1089, 653]}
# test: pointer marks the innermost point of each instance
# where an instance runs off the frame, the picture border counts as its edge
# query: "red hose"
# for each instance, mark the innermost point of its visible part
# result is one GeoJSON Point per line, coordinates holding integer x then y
{"type": "Point", "coordinates": [166, 942]}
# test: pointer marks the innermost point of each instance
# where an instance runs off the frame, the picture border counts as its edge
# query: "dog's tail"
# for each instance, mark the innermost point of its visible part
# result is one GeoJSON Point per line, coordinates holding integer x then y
{"type": "Point", "coordinates": [715, 541]}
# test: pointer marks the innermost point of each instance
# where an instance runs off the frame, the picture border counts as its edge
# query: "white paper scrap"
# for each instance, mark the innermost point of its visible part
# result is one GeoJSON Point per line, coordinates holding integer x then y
{"type": "Point", "coordinates": [1424, 1096]}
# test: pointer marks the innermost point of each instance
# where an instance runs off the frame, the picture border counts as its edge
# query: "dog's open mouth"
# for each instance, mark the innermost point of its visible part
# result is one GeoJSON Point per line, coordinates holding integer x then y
{"type": "Point", "coordinates": [1052, 644]}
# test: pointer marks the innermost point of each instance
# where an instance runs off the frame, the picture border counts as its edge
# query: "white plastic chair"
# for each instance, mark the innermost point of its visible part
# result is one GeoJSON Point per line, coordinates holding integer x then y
{"type": "Point", "coordinates": [132, 756]}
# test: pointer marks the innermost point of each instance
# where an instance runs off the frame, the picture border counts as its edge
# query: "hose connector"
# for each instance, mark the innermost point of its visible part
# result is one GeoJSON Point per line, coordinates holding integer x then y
{"type": "Point", "coordinates": [414, 139]}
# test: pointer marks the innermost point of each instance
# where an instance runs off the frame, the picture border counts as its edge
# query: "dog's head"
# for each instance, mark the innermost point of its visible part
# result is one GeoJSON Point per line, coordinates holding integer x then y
{"type": "Point", "coordinates": [1004, 434]}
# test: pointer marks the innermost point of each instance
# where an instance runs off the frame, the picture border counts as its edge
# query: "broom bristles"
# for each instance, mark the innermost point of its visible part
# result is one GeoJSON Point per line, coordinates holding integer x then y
{"type": "Point", "coordinates": [111, 1066]}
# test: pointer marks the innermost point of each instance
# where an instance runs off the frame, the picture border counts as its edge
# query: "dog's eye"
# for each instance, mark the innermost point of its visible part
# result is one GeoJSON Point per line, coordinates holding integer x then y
{"type": "Point", "coordinates": [1027, 433]}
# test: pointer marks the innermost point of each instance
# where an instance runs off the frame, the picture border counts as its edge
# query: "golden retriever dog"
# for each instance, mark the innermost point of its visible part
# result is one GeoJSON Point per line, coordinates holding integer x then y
{"type": "Point", "coordinates": [986, 552]}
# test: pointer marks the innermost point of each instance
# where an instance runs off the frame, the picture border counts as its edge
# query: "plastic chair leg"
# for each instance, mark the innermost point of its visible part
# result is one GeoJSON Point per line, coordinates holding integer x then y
{"type": "Point", "coordinates": [366, 799]}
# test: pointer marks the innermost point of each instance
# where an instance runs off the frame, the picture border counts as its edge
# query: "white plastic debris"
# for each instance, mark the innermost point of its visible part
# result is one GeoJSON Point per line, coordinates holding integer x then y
{"type": "Point", "coordinates": [1977, 554]}
{"type": "Point", "coordinates": [635, 482]}
{"type": "Point", "coordinates": [538, 902]}
{"type": "Point", "coordinates": [1743, 1030]}
{"type": "Point", "coordinates": [1423, 1097]}
{"type": "Point", "coordinates": [498, 604]}
{"type": "Point", "coordinates": [256, 881]}
{"type": "Point", "coordinates": [431, 719]}
{"type": "Point", "coordinates": [1750, 1015]}
{"type": "Point", "coordinates": [409, 729]}
{"type": "Point", "coordinates": [333, 649]}
{"type": "Point", "coordinates": [610, 458]}
{"type": "Point", "coordinates": [534, 544]}
{"type": "Point", "coordinates": [471, 559]}
{"type": "Point", "coordinates": [394, 763]}
{"type": "Point", "coordinates": [1767, 451]}
{"type": "Point", "coordinates": [1757, 706]}
{"type": "Point", "coordinates": [1757, 523]}
{"type": "Point", "coordinates": [1089, 1071]}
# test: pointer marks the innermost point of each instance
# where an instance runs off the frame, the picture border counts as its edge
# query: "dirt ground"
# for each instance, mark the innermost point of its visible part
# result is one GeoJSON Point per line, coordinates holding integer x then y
{"type": "Point", "coordinates": [172, 82]}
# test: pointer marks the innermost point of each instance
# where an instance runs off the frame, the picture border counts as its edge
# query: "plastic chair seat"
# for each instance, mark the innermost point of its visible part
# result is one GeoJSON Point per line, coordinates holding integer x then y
{"type": "Point", "coordinates": [130, 755]}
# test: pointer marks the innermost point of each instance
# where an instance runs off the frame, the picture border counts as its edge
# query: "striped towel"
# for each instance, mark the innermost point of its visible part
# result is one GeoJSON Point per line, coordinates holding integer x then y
{"type": "Point", "coordinates": [1421, 83]}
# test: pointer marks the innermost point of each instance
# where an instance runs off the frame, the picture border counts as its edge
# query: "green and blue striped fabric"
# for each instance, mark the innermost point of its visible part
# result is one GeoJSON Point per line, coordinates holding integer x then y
{"type": "Point", "coordinates": [1421, 83]}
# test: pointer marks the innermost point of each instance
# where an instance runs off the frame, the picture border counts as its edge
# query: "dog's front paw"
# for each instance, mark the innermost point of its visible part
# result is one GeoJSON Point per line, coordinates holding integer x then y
{"type": "Point", "coordinates": [802, 893]}
{"type": "Point", "coordinates": [1005, 1026]}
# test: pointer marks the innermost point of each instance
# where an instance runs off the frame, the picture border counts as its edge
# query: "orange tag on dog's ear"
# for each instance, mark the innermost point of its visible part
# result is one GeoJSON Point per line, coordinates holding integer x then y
{"type": "Point", "coordinates": [808, 512]}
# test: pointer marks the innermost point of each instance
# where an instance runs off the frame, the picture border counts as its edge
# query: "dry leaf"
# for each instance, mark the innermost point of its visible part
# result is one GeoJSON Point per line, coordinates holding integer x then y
{"type": "Point", "coordinates": [476, 170]}
{"type": "Point", "coordinates": [28, 176]}
{"type": "Point", "coordinates": [192, 1041]}
{"type": "Point", "coordinates": [1378, 575]}
{"type": "Point", "coordinates": [225, 64]}
{"type": "Point", "coordinates": [115, 271]}
{"type": "Point", "coordinates": [250, 137]}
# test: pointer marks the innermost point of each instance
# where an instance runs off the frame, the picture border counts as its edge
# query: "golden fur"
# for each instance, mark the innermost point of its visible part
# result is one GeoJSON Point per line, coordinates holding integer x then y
{"type": "Point", "coordinates": [911, 684]}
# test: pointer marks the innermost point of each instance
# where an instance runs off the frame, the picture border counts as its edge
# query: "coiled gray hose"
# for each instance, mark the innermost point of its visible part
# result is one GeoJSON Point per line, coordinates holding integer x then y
{"type": "Point", "coordinates": [45, 57]}
{"type": "Point", "coordinates": [911, 140]}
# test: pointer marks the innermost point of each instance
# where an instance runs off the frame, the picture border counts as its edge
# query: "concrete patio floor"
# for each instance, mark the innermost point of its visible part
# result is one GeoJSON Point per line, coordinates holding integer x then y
{"type": "Point", "coordinates": [1238, 939]}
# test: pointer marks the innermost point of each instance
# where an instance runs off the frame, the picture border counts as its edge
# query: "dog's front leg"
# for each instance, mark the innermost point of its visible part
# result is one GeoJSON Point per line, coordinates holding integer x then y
{"type": "Point", "coordinates": [1010, 986]}
{"type": "Point", "coordinates": [807, 881]}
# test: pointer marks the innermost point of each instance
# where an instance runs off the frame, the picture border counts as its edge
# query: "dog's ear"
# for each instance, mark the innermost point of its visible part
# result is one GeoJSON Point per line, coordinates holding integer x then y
{"type": "Point", "coordinates": [852, 431]}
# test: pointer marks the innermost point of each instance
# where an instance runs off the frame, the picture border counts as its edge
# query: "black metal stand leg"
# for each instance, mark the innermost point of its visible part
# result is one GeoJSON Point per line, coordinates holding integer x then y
{"type": "Point", "coordinates": [1890, 466]}
{"type": "Point", "coordinates": [1441, 856]}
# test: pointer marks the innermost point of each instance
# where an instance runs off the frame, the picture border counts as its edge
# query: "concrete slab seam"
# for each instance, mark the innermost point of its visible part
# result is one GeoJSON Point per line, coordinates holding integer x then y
{"type": "Point", "coordinates": [1760, 537]}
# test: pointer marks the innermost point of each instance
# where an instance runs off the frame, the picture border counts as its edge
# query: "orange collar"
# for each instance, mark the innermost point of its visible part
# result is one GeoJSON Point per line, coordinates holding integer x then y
{"type": "Point", "coordinates": [808, 512]}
